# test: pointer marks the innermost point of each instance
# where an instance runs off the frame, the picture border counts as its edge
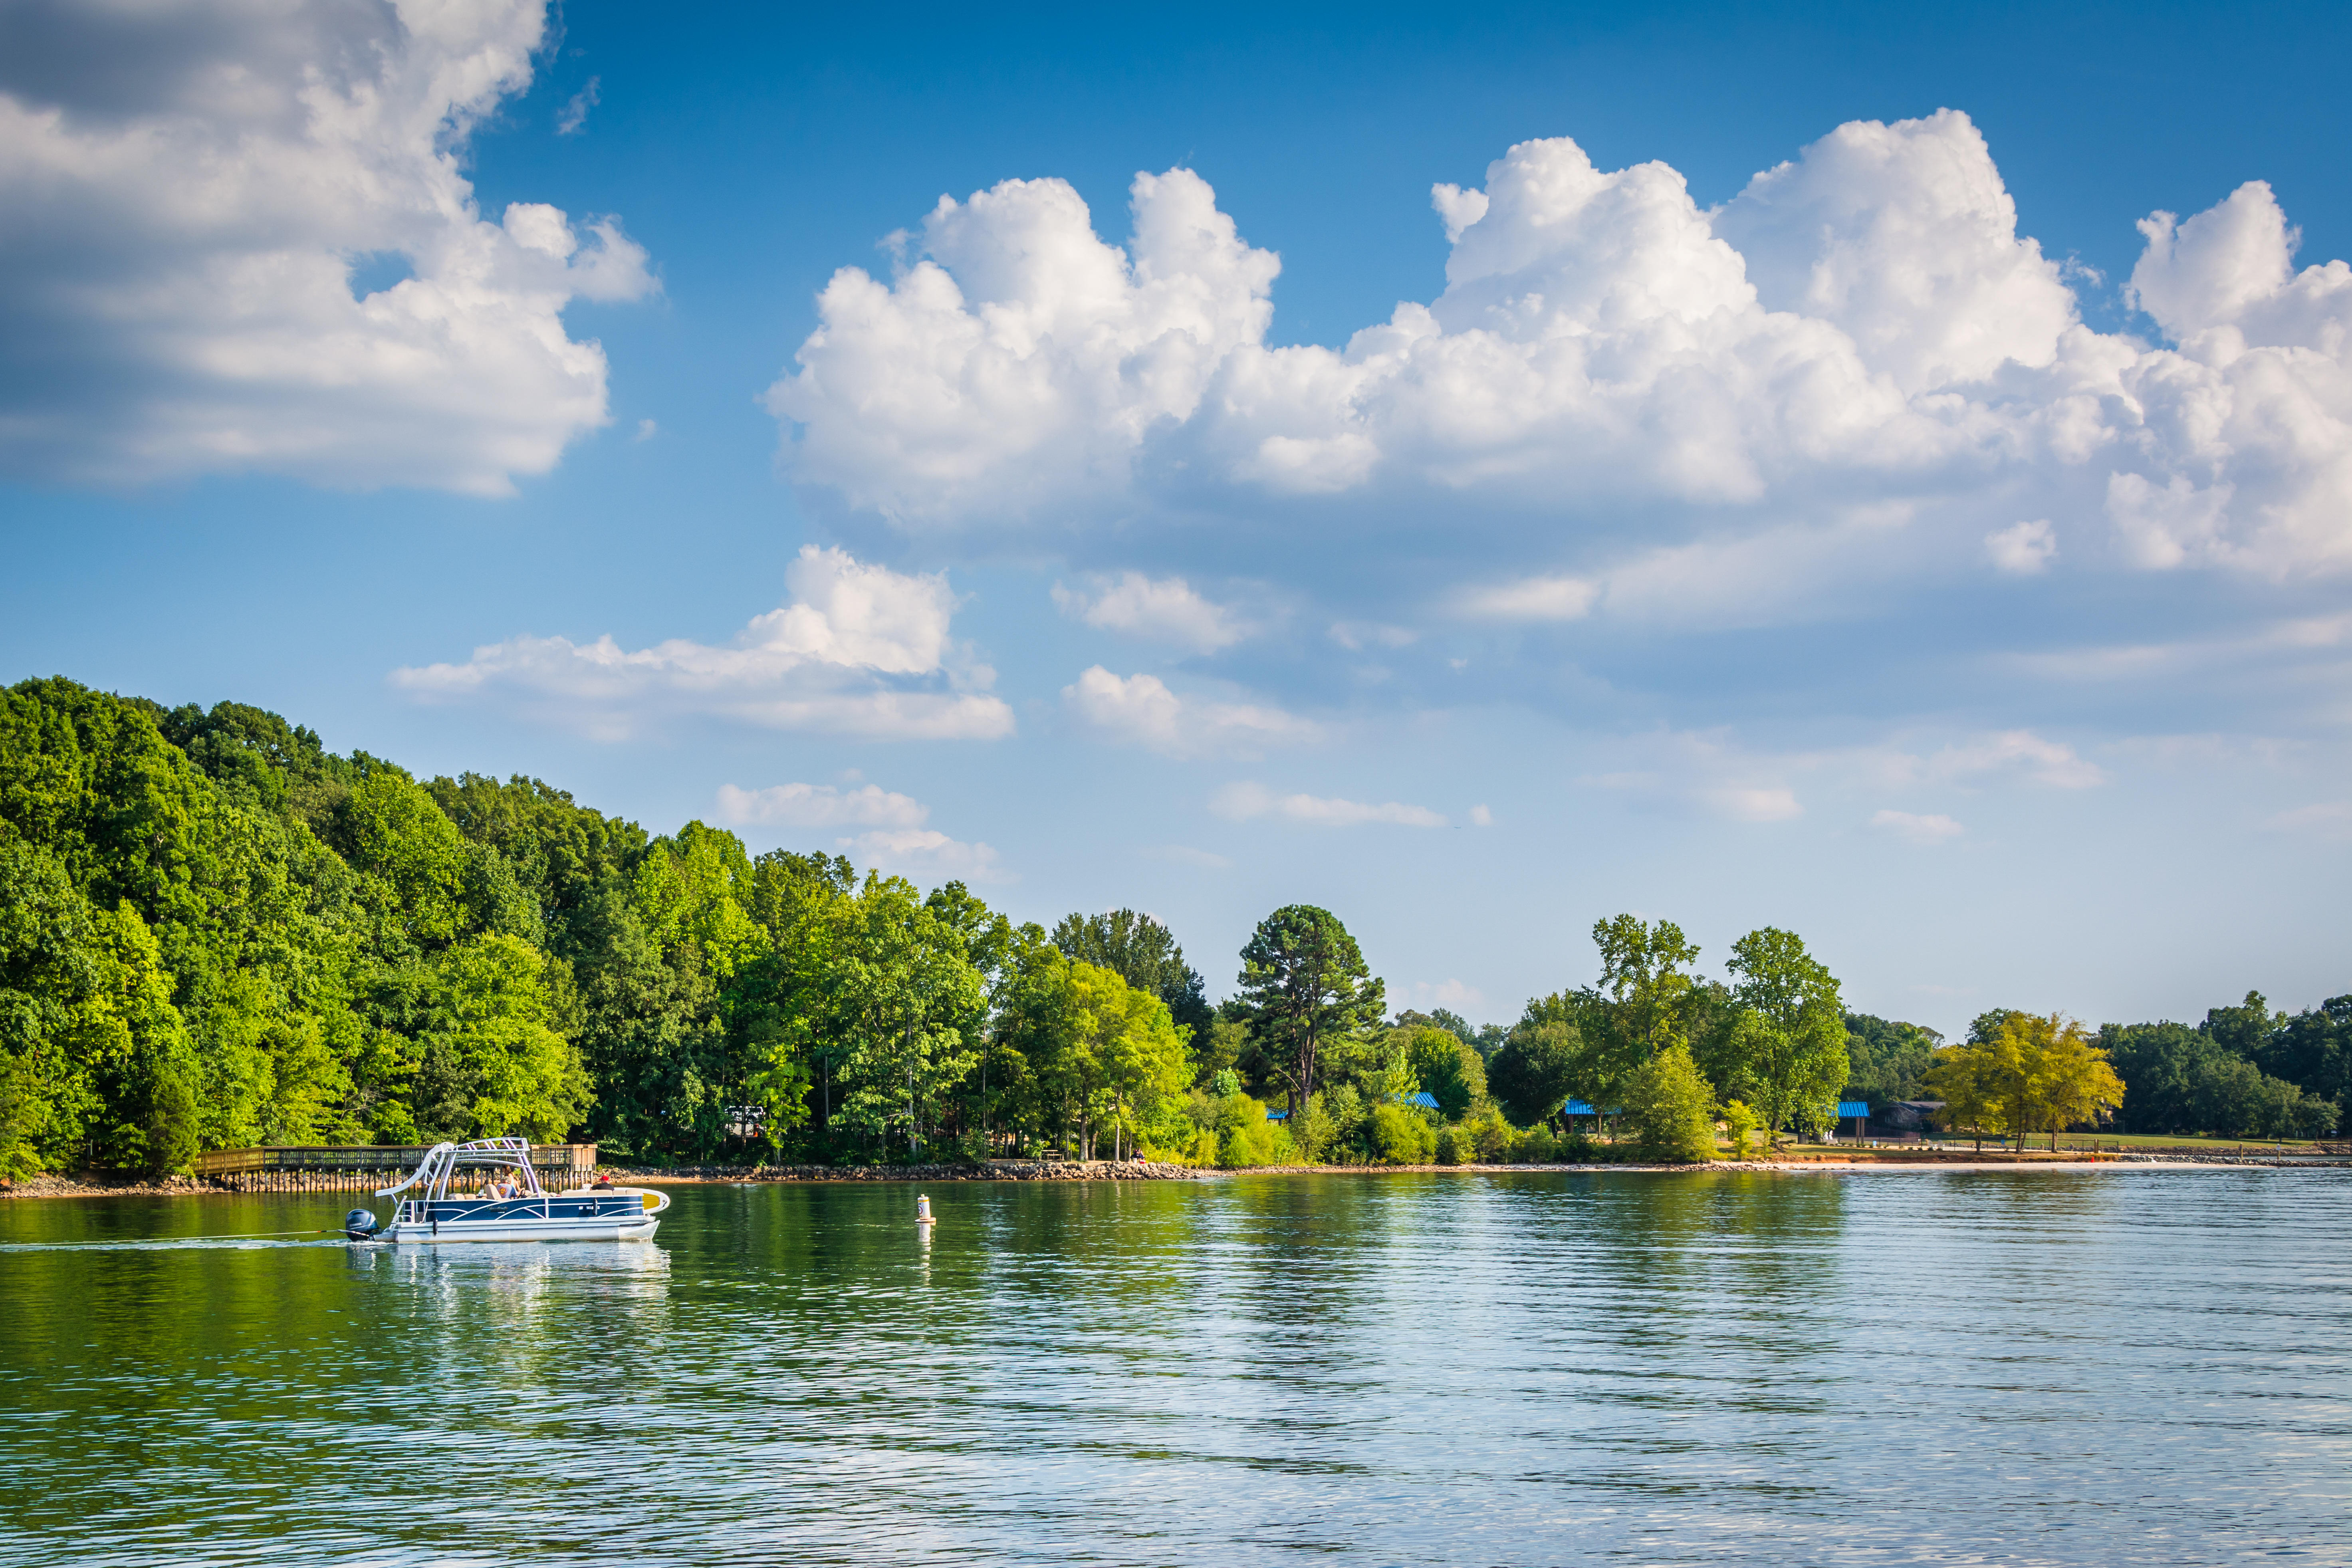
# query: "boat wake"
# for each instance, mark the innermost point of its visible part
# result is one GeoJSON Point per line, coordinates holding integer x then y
{"type": "Point", "coordinates": [183, 1243]}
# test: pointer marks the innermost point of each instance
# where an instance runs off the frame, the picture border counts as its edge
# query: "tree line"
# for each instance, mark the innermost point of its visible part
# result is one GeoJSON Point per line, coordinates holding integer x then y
{"type": "Point", "coordinates": [2245, 1071]}
{"type": "Point", "coordinates": [213, 934]}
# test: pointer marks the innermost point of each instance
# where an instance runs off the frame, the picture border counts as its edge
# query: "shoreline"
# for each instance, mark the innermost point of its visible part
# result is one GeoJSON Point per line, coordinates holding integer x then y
{"type": "Point", "coordinates": [1074, 1170]}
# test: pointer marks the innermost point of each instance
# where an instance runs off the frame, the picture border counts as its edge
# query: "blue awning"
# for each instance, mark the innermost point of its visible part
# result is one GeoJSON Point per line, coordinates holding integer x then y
{"type": "Point", "coordinates": [1423, 1099]}
{"type": "Point", "coordinates": [1853, 1107]}
{"type": "Point", "coordinates": [1578, 1108]}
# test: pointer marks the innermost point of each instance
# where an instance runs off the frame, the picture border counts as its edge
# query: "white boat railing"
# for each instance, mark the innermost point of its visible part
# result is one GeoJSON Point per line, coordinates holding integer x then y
{"type": "Point", "coordinates": [444, 1161]}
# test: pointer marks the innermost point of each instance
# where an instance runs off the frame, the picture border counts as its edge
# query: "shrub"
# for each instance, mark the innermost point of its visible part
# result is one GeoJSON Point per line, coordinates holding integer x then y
{"type": "Point", "coordinates": [1741, 1123]}
{"type": "Point", "coordinates": [1454, 1147]}
{"type": "Point", "coordinates": [1490, 1137]}
{"type": "Point", "coordinates": [1318, 1131]}
{"type": "Point", "coordinates": [1349, 1128]}
{"type": "Point", "coordinates": [1670, 1108]}
{"type": "Point", "coordinates": [1535, 1146]}
{"type": "Point", "coordinates": [1245, 1144]}
{"type": "Point", "coordinates": [1402, 1136]}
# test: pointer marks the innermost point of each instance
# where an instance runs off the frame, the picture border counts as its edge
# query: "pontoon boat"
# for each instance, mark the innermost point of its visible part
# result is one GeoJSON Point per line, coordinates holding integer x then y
{"type": "Point", "coordinates": [452, 1199]}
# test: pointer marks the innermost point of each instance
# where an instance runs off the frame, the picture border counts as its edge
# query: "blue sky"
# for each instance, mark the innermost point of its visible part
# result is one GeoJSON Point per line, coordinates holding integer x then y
{"type": "Point", "coordinates": [1908, 547]}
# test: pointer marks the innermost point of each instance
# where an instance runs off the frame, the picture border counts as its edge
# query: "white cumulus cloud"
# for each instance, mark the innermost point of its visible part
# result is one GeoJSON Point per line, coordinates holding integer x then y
{"type": "Point", "coordinates": [1243, 800]}
{"type": "Point", "coordinates": [238, 241]}
{"type": "Point", "coordinates": [1165, 609]}
{"type": "Point", "coordinates": [573, 118]}
{"type": "Point", "coordinates": [1358, 635]}
{"type": "Point", "coordinates": [2330, 819]}
{"type": "Point", "coordinates": [925, 853]}
{"type": "Point", "coordinates": [1858, 348]}
{"type": "Point", "coordinates": [1185, 854]}
{"type": "Point", "coordinates": [2023, 549]}
{"type": "Point", "coordinates": [1917, 828]}
{"type": "Point", "coordinates": [860, 650]}
{"type": "Point", "coordinates": [1141, 709]}
{"type": "Point", "coordinates": [1021, 360]}
{"type": "Point", "coordinates": [897, 840]}
{"type": "Point", "coordinates": [2044, 760]}
{"type": "Point", "coordinates": [820, 805]}
{"type": "Point", "coordinates": [1530, 599]}
{"type": "Point", "coordinates": [1753, 802]}
{"type": "Point", "coordinates": [1453, 995]}
{"type": "Point", "coordinates": [1714, 772]}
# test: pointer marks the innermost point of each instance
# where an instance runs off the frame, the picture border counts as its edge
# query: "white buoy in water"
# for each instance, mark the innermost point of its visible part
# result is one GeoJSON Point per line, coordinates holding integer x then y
{"type": "Point", "coordinates": [923, 1211]}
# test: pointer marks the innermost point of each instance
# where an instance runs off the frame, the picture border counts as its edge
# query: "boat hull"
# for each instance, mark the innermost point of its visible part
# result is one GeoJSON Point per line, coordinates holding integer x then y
{"type": "Point", "coordinates": [620, 1214]}
{"type": "Point", "coordinates": [444, 1232]}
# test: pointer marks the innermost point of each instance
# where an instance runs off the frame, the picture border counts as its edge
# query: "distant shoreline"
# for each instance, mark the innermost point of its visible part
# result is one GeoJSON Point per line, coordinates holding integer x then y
{"type": "Point", "coordinates": [1075, 1171]}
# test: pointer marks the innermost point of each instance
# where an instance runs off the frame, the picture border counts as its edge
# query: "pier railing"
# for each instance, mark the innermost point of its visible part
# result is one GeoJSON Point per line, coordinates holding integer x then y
{"type": "Point", "coordinates": [370, 1159]}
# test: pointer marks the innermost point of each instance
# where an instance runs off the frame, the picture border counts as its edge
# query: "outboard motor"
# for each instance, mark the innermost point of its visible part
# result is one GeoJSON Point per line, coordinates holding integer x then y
{"type": "Point", "coordinates": [360, 1225]}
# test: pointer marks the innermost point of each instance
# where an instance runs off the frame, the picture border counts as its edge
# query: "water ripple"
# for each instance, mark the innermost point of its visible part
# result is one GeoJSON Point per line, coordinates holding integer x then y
{"type": "Point", "coordinates": [1970, 1367]}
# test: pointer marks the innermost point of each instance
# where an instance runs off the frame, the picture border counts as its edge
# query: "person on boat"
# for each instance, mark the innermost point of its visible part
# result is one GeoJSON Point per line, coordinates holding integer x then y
{"type": "Point", "coordinates": [603, 1180]}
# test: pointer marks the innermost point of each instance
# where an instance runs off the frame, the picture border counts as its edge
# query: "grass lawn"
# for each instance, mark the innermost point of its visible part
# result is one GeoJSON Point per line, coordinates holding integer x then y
{"type": "Point", "coordinates": [2167, 1141]}
{"type": "Point", "coordinates": [2151, 1141]}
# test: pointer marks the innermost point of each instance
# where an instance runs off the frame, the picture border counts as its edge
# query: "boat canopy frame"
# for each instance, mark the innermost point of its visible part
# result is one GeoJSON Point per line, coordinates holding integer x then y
{"type": "Point", "coordinates": [444, 1161]}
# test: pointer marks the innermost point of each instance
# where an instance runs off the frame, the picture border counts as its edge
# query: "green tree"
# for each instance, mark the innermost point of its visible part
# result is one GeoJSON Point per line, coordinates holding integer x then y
{"type": "Point", "coordinates": [558, 852]}
{"type": "Point", "coordinates": [900, 992]}
{"type": "Point", "coordinates": [1643, 974]}
{"type": "Point", "coordinates": [1740, 1122]}
{"type": "Point", "coordinates": [1530, 1076]}
{"type": "Point", "coordinates": [2071, 1081]}
{"type": "Point", "coordinates": [411, 857]}
{"type": "Point", "coordinates": [1309, 994]}
{"type": "Point", "coordinates": [1974, 1080]}
{"type": "Point", "coordinates": [50, 979]}
{"type": "Point", "coordinates": [1037, 1025]}
{"type": "Point", "coordinates": [1639, 1007]}
{"type": "Point", "coordinates": [1671, 1108]}
{"type": "Point", "coordinates": [2019, 1073]}
{"type": "Point", "coordinates": [1447, 1065]}
{"type": "Point", "coordinates": [1886, 1060]}
{"type": "Point", "coordinates": [491, 1066]}
{"type": "Point", "coordinates": [1142, 951]}
{"type": "Point", "coordinates": [1789, 1049]}
{"type": "Point", "coordinates": [1128, 1031]}
{"type": "Point", "coordinates": [2312, 1050]}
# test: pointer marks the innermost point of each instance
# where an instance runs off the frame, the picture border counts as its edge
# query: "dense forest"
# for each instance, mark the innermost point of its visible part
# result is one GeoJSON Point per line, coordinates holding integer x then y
{"type": "Point", "coordinates": [214, 934]}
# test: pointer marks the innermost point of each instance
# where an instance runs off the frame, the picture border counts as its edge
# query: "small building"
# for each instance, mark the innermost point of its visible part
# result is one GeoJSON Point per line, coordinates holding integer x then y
{"type": "Point", "coordinates": [1904, 1118]}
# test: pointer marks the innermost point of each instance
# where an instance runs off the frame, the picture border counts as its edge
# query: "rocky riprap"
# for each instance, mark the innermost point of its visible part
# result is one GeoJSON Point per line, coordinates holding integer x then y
{"type": "Point", "coordinates": [993, 1170]}
{"type": "Point", "coordinates": [2280, 1161]}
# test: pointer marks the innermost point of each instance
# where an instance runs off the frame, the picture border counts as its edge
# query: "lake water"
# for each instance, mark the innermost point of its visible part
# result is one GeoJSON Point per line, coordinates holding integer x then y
{"type": "Point", "coordinates": [2108, 1367]}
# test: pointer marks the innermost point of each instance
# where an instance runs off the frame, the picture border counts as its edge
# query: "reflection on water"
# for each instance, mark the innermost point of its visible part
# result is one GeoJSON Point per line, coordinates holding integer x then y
{"type": "Point", "coordinates": [2143, 1366]}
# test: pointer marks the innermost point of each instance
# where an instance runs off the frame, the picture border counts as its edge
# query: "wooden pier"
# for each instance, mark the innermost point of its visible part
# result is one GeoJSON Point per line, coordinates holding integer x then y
{"type": "Point", "coordinates": [329, 1168]}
